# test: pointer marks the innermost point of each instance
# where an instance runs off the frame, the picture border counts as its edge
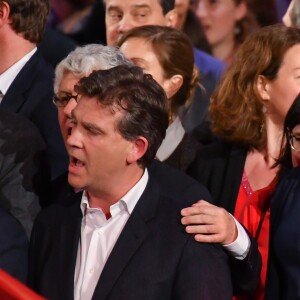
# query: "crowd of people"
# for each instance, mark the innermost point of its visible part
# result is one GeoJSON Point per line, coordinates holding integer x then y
{"type": "Point", "coordinates": [149, 149]}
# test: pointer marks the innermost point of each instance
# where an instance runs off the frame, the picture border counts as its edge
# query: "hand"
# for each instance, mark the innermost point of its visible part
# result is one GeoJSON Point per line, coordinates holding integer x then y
{"type": "Point", "coordinates": [209, 223]}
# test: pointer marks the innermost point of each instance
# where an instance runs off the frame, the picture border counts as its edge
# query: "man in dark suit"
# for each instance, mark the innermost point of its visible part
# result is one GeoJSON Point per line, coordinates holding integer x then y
{"type": "Point", "coordinates": [121, 238]}
{"type": "Point", "coordinates": [26, 81]}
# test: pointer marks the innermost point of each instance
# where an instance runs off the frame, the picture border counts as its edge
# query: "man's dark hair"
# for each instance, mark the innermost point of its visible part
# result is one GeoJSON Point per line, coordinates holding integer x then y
{"type": "Point", "coordinates": [140, 99]}
{"type": "Point", "coordinates": [167, 5]}
{"type": "Point", "coordinates": [28, 18]}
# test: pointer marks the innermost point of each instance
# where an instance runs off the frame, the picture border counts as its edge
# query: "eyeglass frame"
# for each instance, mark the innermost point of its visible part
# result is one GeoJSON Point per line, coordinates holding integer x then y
{"type": "Point", "coordinates": [290, 137]}
{"type": "Point", "coordinates": [57, 102]}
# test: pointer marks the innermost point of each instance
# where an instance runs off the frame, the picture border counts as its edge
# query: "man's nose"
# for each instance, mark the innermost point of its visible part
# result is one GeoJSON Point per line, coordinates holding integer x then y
{"type": "Point", "coordinates": [125, 24]}
{"type": "Point", "coordinates": [74, 139]}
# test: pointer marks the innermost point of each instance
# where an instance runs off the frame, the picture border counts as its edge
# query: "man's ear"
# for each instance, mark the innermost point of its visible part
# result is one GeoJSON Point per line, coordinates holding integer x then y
{"type": "Point", "coordinates": [171, 18]}
{"type": "Point", "coordinates": [262, 85]}
{"type": "Point", "coordinates": [138, 149]}
{"type": "Point", "coordinates": [4, 13]}
{"type": "Point", "coordinates": [172, 85]}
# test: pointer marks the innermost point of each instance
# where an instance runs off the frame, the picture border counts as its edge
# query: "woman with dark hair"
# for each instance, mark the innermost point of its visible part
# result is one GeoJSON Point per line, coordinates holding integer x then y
{"type": "Point", "coordinates": [283, 264]}
{"type": "Point", "coordinates": [247, 113]}
{"type": "Point", "coordinates": [167, 54]}
{"type": "Point", "coordinates": [290, 154]}
{"type": "Point", "coordinates": [226, 24]}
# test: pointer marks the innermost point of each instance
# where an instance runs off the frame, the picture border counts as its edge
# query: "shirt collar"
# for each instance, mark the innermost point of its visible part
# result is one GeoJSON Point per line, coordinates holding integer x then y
{"type": "Point", "coordinates": [128, 201]}
{"type": "Point", "coordinates": [8, 76]}
{"type": "Point", "coordinates": [174, 136]}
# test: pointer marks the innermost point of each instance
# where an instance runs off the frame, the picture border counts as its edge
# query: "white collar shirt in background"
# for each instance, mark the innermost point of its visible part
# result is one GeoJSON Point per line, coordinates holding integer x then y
{"type": "Point", "coordinates": [8, 76]}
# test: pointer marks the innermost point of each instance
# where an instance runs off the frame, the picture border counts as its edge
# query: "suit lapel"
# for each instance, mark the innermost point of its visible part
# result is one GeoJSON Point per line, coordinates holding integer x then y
{"type": "Point", "coordinates": [69, 237]}
{"type": "Point", "coordinates": [134, 233]}
{"type": "Point", "coordinates": [14, 98]}
{"type": "Point", "coordinates": [232, 178]}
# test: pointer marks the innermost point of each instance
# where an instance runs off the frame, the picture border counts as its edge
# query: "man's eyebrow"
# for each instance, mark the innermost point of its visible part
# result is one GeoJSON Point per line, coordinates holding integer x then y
{"type": "Point", "coordinates": [143, 5]}
{"type": "Point", "coordinates": [92, 126]}
{"type": "Point", "coordinates": [135, 6]}
{"type": "Point", "coordinates": [113, 7]}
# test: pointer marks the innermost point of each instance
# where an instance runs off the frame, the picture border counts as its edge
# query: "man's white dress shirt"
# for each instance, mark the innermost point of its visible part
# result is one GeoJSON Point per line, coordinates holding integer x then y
{"type": "Point", "coordinates": [98, 237]}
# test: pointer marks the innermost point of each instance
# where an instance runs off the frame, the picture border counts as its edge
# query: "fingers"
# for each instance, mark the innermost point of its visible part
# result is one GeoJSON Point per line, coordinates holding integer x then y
{"type": "Point", "coordinates": [210, 238]}
{"type": "Point", "coordinates": [207, 233]}
{"type": "Point", "coordinates": [202, 229]}
{"type": "Point", "coordinates": [209, 223]}
{"type": "Point", "coordinates": [198, 218]}
{"type": "Point", "coordinates": [201, 207]}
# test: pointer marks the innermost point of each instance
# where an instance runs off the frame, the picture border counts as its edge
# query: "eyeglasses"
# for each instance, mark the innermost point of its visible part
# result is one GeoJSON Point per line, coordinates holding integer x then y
{"type": "Point", "coordinates": [294, 142]}
{"type": "Point", "coordinates": [62, 99]}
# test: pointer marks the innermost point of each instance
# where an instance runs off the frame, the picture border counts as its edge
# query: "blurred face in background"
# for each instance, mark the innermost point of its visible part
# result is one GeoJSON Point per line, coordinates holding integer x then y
{"type": "Point", "coordinates": [122, 15]}
{"type": "Point", "coordinates": [66, 88]}
{"type": "Point", "coordinates": [281, 92]}
{"type": "Point", "coordinates": [181, 7]}
{"type": "Point", "coordinates": [218, 19]}
{"type": "Point", "coordinates": [142, 54]}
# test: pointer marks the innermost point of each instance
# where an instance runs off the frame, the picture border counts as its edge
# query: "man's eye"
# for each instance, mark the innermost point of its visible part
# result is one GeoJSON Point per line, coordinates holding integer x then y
{"type": "Point", "coordinates": [115, 16]}
{"type": "Point", "coordinates": [141, 14]}
{"type": "Point", "coordinates": [65, 98]}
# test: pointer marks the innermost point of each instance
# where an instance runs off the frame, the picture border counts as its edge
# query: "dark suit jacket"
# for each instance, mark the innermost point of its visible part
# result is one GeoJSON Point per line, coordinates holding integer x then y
{"type": "Point", "coordinates": [219, 167]}
{"type": "Point", "coordinates": [55, 46]}
{"type": "Point", "coordinates": [13, 246]}
{"type": "Point", "coordinates": [152, 259]}
{"type": "Point", "coordinates": [283, 277]}
{"type": "Point", "coordinates": [24, 170]}
{"type": "Point", "coordinates": [184, 153]}
{"type": "Point", "coordinates": [30, 95]}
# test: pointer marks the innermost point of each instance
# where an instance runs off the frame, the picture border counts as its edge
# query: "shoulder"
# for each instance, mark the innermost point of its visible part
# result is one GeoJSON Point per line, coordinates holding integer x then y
{"type": "Point", "coordinates": [176, 184]}
{"type": "Point", "coordinates": [58, 213]}
{"type": "Point", "coordinates": [18, 125]}
{"type": "Point", "coordinates": [289, 183]}
{"type": "Point", "coordinates": [219, 151]}
{"type": "Point", "coordinates": [216, 150]}
{"type": "Point", "coordinates": [287, 188]}
{"type": "Point", "coordinates": [209, 65]}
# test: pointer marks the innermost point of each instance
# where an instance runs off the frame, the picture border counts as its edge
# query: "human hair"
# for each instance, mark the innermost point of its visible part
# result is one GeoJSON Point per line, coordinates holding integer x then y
{"type": "Point", "coordinates": [291, 120]}
{"type": "Point", "coordinates": [236, 108]}
{"type": "Point", "coordinates": [166, 5]}
{"type": "Point", "coordinates": [140, 99]}
{"type": "Point", "coordinates": [246, 25]}
{"type": "Point", "coordinates": [295, 13]}
{"type": "Point", "coordinates": [83, 60]}
{"type": "Point", "coordinates": [28, 18]}
{"type": "Point", "coordinates": [174, 52]}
